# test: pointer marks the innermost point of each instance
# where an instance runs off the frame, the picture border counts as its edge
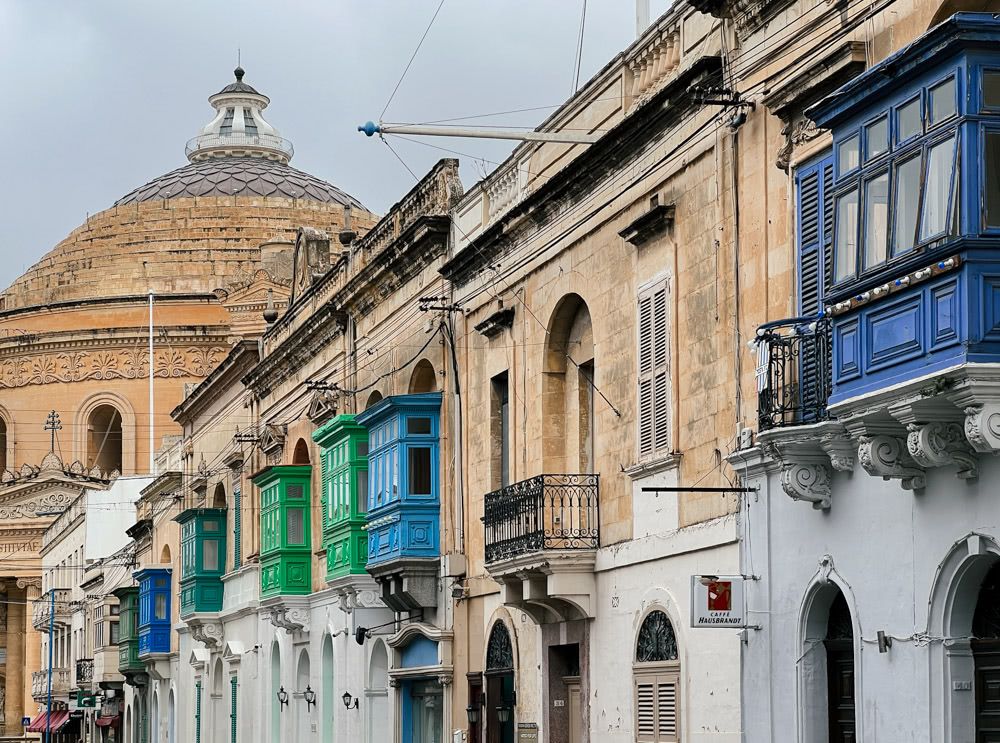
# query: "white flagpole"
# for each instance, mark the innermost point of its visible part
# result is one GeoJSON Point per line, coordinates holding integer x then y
{"type": "Point", "coordinates": [152, 454]}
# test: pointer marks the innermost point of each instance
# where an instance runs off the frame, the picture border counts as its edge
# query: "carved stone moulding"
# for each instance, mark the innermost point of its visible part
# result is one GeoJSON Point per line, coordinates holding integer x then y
{"type": "Point", "coordinates": [807, 457]}
{"type": "Point", "coordinates": [290, 613]}
{"type": "Point", "coordinates": [207, 630]}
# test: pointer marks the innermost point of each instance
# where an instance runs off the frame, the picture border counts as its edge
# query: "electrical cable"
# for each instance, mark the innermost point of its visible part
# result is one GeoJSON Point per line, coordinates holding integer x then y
{"type": "Point", "coordinates": [412, 57]}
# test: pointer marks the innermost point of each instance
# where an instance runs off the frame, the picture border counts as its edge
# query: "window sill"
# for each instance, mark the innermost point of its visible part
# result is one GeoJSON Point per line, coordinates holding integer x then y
{"type": "Point", "coordinates": [654, 466]}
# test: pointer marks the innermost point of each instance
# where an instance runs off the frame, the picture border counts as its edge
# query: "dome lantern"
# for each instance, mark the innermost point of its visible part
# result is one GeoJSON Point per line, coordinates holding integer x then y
{"type": "Point", "coordinates": [239, 128]}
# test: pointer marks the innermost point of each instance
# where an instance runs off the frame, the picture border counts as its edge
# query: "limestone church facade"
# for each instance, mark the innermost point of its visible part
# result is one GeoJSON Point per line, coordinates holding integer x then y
{"type": "Point", "coordinates": [186, 265]}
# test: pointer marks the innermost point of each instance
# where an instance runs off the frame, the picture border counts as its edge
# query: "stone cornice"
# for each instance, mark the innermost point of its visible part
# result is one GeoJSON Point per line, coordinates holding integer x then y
{"type": "Point", "coordinates": [577, 179]}
{"type": "Point", "coordinates": [139, 299]}
{"type": "Point", "coordinates": [33, 343]}
{"type": "Point", "coordinates": [239, 359]}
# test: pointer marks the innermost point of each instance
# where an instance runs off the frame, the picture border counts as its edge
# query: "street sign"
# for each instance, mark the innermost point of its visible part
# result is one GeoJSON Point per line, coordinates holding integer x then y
{"type": "Point", "coordinates": [25, 721]}
{"type": "Point", "coordinates": [717, 601]}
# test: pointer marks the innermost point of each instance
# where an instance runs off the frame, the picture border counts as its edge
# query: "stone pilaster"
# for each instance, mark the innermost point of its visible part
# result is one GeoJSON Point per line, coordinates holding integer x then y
{"type": "Point", "coordinates": [31, 646]}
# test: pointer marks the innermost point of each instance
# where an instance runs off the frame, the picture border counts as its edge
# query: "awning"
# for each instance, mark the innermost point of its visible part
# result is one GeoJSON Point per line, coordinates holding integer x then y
{"type": "Point", "coordinates": [103, 722]}
{"type": "Point", "coordinates": [40, 724]}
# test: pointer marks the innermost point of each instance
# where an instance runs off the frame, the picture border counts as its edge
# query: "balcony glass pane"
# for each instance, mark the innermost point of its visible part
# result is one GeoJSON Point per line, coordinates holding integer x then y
{"type": "Point", "coordinates": [847, 236]}
{"type": "Point", "coordinates": [908, 121]}
{"type": "Point", "coordinates": [160, 610]}
{"type": "Point", "coordinates": [937, 189]}
{"type": "Point", "coordinates": [362, 449]}
{"type": "Point", "coordinates": [420, 470]}
{"type": "Point", "coordinates": [876, 138]}
{"type": "Point", "coordinates": [942, 101]}
{"type": "Point", "coordinates": [115, 633]}
{"type": "Point", "coordinates": [211, 525]}
{"type": "Point", "coordinates": [295, 527]}
{"type": "Point", "coordinates": [418, 426]}
{"type": "Point", "coordinates": [362, 494]}
{"type": "Point", "coordinates": [991, 88]}
{"type": "Point", "coordinates": [848, 154]}
{"type": "Point", "coordinates": [210, 555]}
{"type": "Point", "coordinates": [876, 219]}
{"type": "Point", "coordinates": [992, 195]}
{"type": "Point", "coordinates": [907, 199]}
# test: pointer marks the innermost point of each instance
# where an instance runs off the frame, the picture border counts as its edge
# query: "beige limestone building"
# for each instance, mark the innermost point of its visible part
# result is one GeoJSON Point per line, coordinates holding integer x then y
{"type": "Point", "coordinates": [201, 254]}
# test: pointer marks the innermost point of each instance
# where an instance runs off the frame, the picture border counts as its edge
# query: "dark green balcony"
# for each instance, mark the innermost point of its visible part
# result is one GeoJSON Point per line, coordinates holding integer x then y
{"type": "Point", "coordinates": [344, 446]}
{"type": "Point", "coordinates": [285, 541]}
{"type": "Point", "coordinates": [203, 556]}
{"type": "Point", "coordinates": [129, 664]}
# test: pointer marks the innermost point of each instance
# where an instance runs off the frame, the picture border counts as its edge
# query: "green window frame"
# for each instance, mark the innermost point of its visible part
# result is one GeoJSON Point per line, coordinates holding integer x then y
{"type": "Point", "coordinates": [233, 686]}
{"type": "Point", "coordinates": [197, 711]}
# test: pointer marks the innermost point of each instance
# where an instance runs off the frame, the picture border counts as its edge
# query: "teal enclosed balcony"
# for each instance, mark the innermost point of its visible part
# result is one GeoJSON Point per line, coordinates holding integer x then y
{"type": "Point", "coordinates": [203, 550]}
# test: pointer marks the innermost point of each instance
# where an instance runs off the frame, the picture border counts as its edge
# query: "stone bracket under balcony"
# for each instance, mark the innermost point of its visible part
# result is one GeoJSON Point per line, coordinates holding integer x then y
{"type": "Point", "coordinates": [206, 628]}
{"type": "Point", "coordinates": [550, 586]}
{"type": "Point", "coordinates": [408, 584]}
{"type": "Point", "coordinates": [290, 613]}
{"type": "Point", "coordinates": [356, 592]}
{"type": "Point", "coordinates": [807, 456]}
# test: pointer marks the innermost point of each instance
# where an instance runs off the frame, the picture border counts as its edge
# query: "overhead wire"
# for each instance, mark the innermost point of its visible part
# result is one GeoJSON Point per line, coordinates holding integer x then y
{"type": "Point", "coordinates": [412, 57]}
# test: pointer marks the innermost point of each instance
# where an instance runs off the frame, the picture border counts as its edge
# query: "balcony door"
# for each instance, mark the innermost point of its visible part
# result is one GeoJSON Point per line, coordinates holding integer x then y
{"type": "Point", "coordinates": [839, 645]}
{"type": "Point", "coordinates": [986, 654]}
{"type": "Point", "coordinates": [500, 696]}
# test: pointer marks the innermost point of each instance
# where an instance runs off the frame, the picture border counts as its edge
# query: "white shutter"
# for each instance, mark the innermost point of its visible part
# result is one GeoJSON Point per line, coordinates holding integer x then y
{"type": "Point", "coordinates": [667, 718]}
{"type": "Point", "coordinates": [657, 706]}
{"type": "Point", "coordinates": [653, 357]}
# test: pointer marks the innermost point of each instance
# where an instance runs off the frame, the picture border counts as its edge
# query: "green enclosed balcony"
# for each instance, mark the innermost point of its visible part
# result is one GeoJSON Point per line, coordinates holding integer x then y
{"type": "Point", "coordinates": [344, 499]}
{"type": "Point", "coordinates": [129, 664]}
{"type": "Point", "coordinates": [203, 555]}
{"type": "Point", "coordinates": [285, 559]}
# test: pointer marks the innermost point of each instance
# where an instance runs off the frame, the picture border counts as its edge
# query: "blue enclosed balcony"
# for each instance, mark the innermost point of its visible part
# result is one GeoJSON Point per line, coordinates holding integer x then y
{"type": "Point", "coordinates": [154, 611]}
{"type": "Point", "coordinates": [912, 278]}
{"type": "Point", "coordinates": [404, 504]}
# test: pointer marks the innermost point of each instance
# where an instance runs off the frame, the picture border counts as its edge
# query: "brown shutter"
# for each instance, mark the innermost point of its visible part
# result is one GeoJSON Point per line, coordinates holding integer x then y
{"type": "Point", "coordinates": [654, 371]}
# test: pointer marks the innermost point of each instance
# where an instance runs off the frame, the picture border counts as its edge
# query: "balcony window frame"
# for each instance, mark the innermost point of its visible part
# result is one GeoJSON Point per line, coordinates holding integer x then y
{"type": "Point", "coordinates": [855, 133]}
{"type": "Point", "coordinates": [867, 159]}
{"type": "Point", "coordinates": [986, 128]}
{"type": "Point", "coordinates": [898, 142]}
{"type": "Point", "coordinates": [982, 71]}
{"type": "Point", "coordinates": [861, 263]}
{"type": "Point", "coordinates": [929, 125]}
{"type": "Point", "coordinates": [927, 145]}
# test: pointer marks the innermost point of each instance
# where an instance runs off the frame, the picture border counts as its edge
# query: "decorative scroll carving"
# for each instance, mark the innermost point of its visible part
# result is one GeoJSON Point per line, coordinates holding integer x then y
{"type": "Point", "coordinates": [939, 444]}
{"type": "Point", "coordinates": [30, 509]}
{"type": "Point", "coordinates": [841, 451]}
{"type": "Point", "coordinates": [350, 599]}
{"type": "Point", "coordinates": [80, 366]}
{"type": "Point", "coordinates": [290, 618]}
{"type": "Point", "coordinates": [807, 481]}
{"type": "Point", "coordinates": [982, 427]}
{"type": "Point", "coordinates": [887, 457]}
{"type": "Point", "coordinates": [24, 583]}
{"type": "Point", "coordinates": [208, 632]}
{"type": "Point", "coordinates": [796, 133]}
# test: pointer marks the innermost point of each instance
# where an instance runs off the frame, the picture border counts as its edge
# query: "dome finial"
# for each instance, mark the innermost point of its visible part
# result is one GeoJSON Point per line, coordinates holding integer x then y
{"type": "Point", "coordinates": [239, 72]}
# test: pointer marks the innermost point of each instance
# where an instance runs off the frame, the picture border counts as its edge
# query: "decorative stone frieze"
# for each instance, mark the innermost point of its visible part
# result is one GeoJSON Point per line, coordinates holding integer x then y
{"type": "Point", "coordinates": [887, 457]}
{"type": "Point", "coordinates": [939, 444]}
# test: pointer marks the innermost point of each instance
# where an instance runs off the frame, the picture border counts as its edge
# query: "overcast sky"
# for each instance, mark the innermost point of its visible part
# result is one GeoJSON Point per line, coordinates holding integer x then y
{"type": "Point", "coordinates": [99, 97]}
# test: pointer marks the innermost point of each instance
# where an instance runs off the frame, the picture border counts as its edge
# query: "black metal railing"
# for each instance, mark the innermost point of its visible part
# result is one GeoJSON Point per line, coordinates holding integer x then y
{"type": "Point", "coordinates": [542, 513]}
{"type": "Point", "coordinates": [793, 372]}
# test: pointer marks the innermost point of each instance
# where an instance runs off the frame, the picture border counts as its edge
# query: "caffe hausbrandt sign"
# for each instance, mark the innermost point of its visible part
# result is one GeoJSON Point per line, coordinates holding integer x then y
{"type": "Point", "coordinates": [717, 601]}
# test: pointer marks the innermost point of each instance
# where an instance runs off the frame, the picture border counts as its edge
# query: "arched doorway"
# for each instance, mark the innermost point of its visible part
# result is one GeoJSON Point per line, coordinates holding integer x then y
{"type": "Point", "coordinates": [171, 718]}
{"type": "Point", "coordinates": [303, 684]}
{"type": "Point", "coordinates": [839, 644]}
{"type": "Point", "coordinates": [986, 654]}
{"type": "Point", "coordinates": [499, 712]}
{"type": "Point", "coordinates": [127, 727]}
{"type": "Point", "coordinates": [104, 439]}
{"type": "Point", "coordinates": [656, 674]}
{"type": "Point", "coordinates": [377, 694]}
{"type": "Point", "coordinates": [301, 453]}
{"type": "Point", "coordinates": [568, 384]}
{"type": "Point", "coordinates": [219, 722]}
{"type": "Point", "coordinates": [328, 703]}
{"type": "Point", "coordinates": [423, 378]}
{"type": "Point", "coordinates": [275, 688]}
{"type": "Point", "coordinates": [154, 720]}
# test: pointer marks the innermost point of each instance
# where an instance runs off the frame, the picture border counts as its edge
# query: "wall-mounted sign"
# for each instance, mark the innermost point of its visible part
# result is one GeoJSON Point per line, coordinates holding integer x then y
{"type": "Point", "coordinates": [717, 601]}
{"type": "Point", "coordinates": [527, 732]}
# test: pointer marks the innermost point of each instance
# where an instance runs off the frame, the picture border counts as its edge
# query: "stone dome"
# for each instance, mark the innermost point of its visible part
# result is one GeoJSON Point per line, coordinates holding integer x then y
{"type": "Point", "coordinates": [239, 176]}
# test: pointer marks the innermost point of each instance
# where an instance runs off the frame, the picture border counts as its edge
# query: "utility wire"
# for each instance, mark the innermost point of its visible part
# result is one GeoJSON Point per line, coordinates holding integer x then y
{"type": "Point", "coordinates": [412, 57]}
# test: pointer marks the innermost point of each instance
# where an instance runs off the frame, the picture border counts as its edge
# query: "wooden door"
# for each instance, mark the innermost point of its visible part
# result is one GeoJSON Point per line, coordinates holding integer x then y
{"type": "Point", "coordinates": [840, 690]}
{"type": "Point", "coordinates": [575, 711]}
{"type": "Point", "coordinates": [987, 660]}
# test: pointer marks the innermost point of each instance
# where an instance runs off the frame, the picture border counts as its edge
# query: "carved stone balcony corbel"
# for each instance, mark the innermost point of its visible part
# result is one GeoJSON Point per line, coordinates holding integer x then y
{"type": "Point", "coordinates": [887, 457]}
{"type": "Point", "coordinates": [982, 427]}
{"type": "Point", "coordinates": [807, 456]}
{"type": "Point", "coordinates": [807, 481]}
{"type": "Point", "coordinates": [939, 444]}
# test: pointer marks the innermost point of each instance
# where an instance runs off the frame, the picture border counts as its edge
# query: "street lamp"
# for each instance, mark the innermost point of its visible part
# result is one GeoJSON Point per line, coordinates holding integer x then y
{"type": "Point", "coordinates": [348, 699]}
{"type": "Point", "coordinates": [310, 696]}
{"type": "Point", "coordinates": [503, 714]}
{"type": "Point", "coordinates": [472, 712]}
{"type": "Point", "coordinates": [283, 697]}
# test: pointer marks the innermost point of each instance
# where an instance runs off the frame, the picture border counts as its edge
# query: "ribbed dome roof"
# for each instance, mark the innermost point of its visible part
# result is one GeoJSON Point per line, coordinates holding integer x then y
{"type": "Point", "coordinates": [239, 176]}
{"type": "Point", "coordinates": [239, 86]}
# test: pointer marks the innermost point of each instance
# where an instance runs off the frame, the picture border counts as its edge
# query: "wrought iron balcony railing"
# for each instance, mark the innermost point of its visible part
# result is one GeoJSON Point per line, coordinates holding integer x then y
{"type": "Point", "coordinates": [547, 512]}
{"type": "Point", "coordinates": [793, 372]}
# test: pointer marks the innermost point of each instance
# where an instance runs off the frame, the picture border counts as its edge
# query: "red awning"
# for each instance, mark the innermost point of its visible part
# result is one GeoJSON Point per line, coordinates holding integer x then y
{"type": "Point", "coordinates": [40, 724]}
{"type": "Point", "coordinates": [103, 722]}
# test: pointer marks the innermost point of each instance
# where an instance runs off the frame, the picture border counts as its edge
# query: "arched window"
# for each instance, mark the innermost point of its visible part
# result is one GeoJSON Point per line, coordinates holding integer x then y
{"type": "Point", "coordinates": [568, 383]}
{"type": "Point", "coordinates": [275, 688]}
{"type": "Point", "coordinates": [328, 692]}
{"type": "Point", "coordinates": [499, 685]}
{"type": "Point", "coordinates": [3, 444]}
{"type": "Point", "coordinates": [378, 694]}
{"type": "Point", "coordinates": [104, 439]}
{"type": "Point", "coordinates": [423, 378]}
{"type": "Point", "coordinates": [165, 558]}
{"type": "Point", "coordinates": [301, 453]}
{"type": "Point", "coordinates": [656, 678]}
{"type": "Point", "coordinates": [220, 724]}
{"type": "Point", "coordinates": [373, 399]}
{"type": "Point", "coordinates": [303, 681]}
{"type": "Point", "coordinates": [219, 496]}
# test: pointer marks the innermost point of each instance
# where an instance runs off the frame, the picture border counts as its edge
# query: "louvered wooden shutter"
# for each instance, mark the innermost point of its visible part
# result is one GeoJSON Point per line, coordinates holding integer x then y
{"type": "Point", "coordinates": [814, 212]}
{"type": "Point", "coordinates": [654, 372]}
{"type": "Point", "coordinates": [657, 708]}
